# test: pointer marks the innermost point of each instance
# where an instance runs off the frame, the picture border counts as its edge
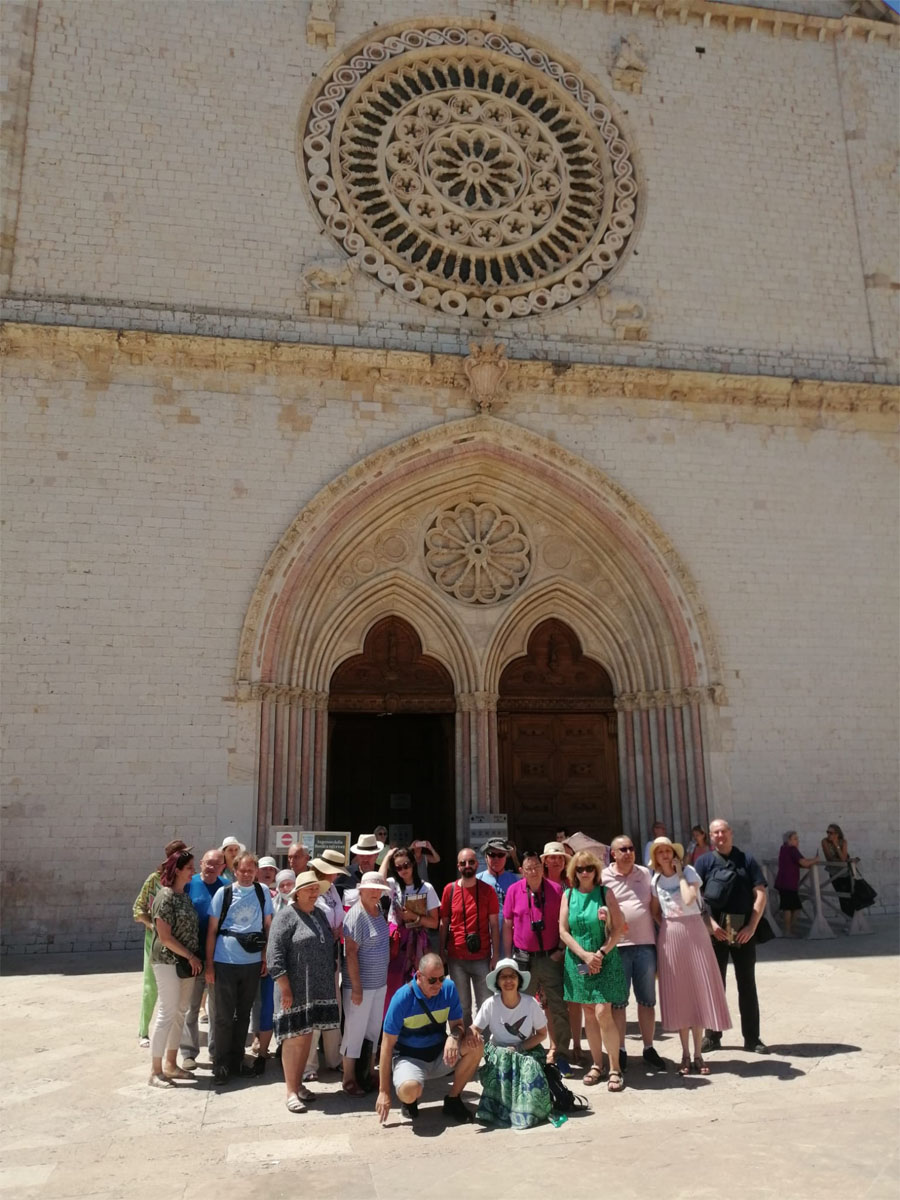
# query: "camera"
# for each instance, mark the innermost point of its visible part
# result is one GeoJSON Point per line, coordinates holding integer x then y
{"type": "Point", "coordinates": [473, 942]}
{"type": "Point", "coordinates": [538, 925]}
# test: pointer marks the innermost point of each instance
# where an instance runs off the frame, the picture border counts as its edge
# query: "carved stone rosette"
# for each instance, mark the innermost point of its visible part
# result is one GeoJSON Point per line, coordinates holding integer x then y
{"type": "Point", "coordinates": [469, 170]}
{"type": "Point", "coordinates": [477, 553]}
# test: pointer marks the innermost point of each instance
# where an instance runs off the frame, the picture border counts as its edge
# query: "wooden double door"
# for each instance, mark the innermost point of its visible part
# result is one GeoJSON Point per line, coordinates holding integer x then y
{"type": "Point", "coordinates": [557, 731]}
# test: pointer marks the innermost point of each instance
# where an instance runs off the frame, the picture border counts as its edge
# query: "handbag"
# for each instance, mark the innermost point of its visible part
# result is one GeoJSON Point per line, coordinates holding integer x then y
{"type": "Point", "coordinates": [864, 895]}
{"type": "Point", "coordinates": [764, 932]}
{"type": "Point", "coordinates": [183, 967]}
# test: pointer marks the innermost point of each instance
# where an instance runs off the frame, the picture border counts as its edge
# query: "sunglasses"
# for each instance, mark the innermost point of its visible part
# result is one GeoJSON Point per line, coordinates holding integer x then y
{"type": "Point", "coordinates": [183, 859]}
{"type": "Point", "coordinates": [625, 849]}
{"type": "Point", "coordinates": [432, 979]}
{"type": "Point", "coordinates": [585, 870]}
{"type": "Point", "coordinates": [402, 866]}
{"type": "Point", "coordinates": [496, 854]}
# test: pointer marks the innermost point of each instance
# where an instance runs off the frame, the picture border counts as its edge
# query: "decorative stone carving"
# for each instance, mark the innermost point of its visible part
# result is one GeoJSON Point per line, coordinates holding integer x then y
{"type": "Point", "coordinates": [325, 288]}
{"type": "Point", "coordinates": [485, 369]}
{"type": "Point", "coordinates": [626, 315]}
{"type": "Point", "coordinates": [320, 23]}
{"type": "Point", "coordinates": [629, 66]}
{"type": "Point", "coordinates": [469, 170]}
{"type": "Point", "coordinates": [477, 553]}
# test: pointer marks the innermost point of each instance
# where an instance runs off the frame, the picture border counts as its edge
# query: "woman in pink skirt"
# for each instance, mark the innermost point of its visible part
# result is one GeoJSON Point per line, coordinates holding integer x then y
{"type": "Point", "coordinates": [691, 995]}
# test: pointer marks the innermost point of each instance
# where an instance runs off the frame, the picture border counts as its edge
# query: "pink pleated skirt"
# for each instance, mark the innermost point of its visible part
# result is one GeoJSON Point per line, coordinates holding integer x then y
{"type": "Point", "coordinates": [690, 986]}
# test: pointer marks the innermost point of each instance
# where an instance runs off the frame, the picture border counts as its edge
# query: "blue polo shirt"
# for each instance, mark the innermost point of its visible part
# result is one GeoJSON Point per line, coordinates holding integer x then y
{"type": "Point", "coordinates": [500, 883]}
{"type": "Point", "coordinates": [406, 1020]}
{"type": "Point", "coordinates": [200, 895]}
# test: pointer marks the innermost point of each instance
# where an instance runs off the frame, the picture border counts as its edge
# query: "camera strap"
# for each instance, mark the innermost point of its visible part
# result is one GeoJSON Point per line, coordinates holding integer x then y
{"type": "Point", "coordinates": [540, 911]}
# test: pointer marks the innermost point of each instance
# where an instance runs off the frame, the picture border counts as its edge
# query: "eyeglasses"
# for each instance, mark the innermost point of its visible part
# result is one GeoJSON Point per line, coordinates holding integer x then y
{"type": "Point", "coordinates": [585, 870]}
{"type": "Point", "coordinates": [432, 979]}
{"type": "Point", "coordinates": [625, 849]}
{"type": "Point", "coordinates": [468, 862]}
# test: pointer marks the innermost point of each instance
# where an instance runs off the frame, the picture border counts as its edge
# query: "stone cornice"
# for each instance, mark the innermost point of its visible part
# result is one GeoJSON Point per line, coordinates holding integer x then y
{"type": "Point", "coordinates": [105, 354]}
{"type": "Point", "coordinates": [737, 17]}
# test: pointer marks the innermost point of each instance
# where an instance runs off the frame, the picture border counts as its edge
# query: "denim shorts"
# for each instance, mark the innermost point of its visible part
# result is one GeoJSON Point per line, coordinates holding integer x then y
{"type": "Point", "coordinates": [639, 965]}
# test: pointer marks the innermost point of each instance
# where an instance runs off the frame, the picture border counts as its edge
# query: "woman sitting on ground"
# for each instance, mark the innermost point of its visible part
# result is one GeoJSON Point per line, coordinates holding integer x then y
{"type": "Point", "coordinates": [590, 924]}
{"type": "Point", "coordinates": [414, 911]}
{"type": "Point", "coordinates": [787, 880]}
{"type": "Point", "coordinates": [300, 958]}
{"type": "Point", "coordinates": [691, 992]}
{"type": "Point", "coordinates": [176, 939]}
{"type": "Point", "coordinates": [364, 975]}
{"type": "Point", "coordinates": [515, 1090]}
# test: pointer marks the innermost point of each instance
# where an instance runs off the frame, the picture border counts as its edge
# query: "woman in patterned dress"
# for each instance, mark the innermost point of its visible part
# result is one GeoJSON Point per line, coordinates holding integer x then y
{"type": "Point", "coordinates": [590, 924]}
{"type": "Point", "coordinates": [300, 958]}
{"type": "Point", "coordinates": [141, 913]}
{"type": "Point", "coordinates": [176, 935]}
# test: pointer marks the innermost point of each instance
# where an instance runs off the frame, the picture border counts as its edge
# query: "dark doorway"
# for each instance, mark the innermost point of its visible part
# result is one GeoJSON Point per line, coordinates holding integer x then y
{"type": "Point", "coordinates": [391, 742]}
{"type": "Point", "coordinates": [558, 751]}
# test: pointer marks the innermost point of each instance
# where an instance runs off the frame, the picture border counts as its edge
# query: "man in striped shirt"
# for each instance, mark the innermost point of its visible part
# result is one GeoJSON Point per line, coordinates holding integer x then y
{"type": "Point", "coordinates": [415, 1044]}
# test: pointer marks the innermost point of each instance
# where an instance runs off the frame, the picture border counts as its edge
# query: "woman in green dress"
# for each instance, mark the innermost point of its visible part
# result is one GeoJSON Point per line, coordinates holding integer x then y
{"type": "Point", "coordinates": [590, 924]}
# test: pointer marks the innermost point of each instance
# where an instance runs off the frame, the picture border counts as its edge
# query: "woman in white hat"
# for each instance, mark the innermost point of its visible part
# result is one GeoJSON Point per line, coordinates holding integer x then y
{"type": "Point", "coordinates": [230, 848]}
{"type": "Point", "coordinates": [364, 974]}
{"type": "Point", "coordinates": [691, 994]}
{"type": "Point", "coordinates": [300, 958]}
{"type": "Point", "coordinates": [515, 1090]}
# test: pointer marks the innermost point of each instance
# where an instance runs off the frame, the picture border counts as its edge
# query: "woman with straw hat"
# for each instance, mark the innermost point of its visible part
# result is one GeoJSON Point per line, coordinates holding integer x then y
{"type": "Point", "coordinates": [691, 994]}
{"type": "Point", "coordinates": [300, 958]}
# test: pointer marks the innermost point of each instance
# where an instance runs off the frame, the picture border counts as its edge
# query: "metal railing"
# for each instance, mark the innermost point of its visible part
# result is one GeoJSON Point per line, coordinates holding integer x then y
{"type": "Point", "coordinates": [819, 899]}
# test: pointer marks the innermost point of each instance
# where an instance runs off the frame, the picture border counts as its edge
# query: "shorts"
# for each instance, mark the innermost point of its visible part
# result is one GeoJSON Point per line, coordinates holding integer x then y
{"type": "Point", "coordinates": [417, 1070]}
{"type": "Point", "coordinates": [790, 900]}
{"type": "Point", "coordinates": [639, 966]}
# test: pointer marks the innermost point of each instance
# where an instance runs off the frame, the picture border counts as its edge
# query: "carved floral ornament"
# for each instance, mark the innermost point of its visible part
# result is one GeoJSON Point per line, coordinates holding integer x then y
{"type": "Point", "coordinates": [477, 553]}
{"type": "Point", "coordinates": [470, 171]}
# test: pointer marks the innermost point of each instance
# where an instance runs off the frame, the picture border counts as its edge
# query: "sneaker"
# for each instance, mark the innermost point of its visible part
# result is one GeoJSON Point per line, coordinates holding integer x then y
{"type": "Point", "coordinates": [623, 1059]}
{"type": "Point", "coordinates": [653, 1059]}
{"type": "Point", "coordinates": [410, 1110]}
{"type": "Point", "coordinates": [756, 1048]}
{"type": "Point", "coordinates": [454, 1107]}
{"type": "Point", "coordinates": [247, 1071]}
{"type": "Point", "coordinates": [189, 1064]}
{"type": "Point", "coordinates": [144, 1043]}
{"type": "Point", "coordinates": [712, 1041]}
{"type": "Point", "coordinates": [259, 1066]}
{"type": "Point", "coordinates": [221, 1074]}
{"type": "Point", "coordinates": [203, 1019]}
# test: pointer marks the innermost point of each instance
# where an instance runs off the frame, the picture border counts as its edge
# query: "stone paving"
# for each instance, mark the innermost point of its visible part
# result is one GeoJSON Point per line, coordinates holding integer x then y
{"type": "Point", "coordinates": [819, 1117]}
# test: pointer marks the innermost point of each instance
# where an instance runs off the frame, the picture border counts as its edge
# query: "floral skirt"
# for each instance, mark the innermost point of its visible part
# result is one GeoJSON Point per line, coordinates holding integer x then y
{"type": "Point", "coordinates": [515, 1089]}
{"type": "Point", "coordinates": [305, 1018]}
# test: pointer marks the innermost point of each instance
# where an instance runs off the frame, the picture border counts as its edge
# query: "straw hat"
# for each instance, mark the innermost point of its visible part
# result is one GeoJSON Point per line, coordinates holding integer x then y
{"type": "Point", "coordinates": [663, 841]}
{"type": "Point", "coordinates": [554, 848]}
{"type": "Point", "coordinates": [368, 844]}
{"type": "Point", "coordinates": [268, 861]}
{"type": "Point", "coordinates": [305, 878]}
{"type": "Point", "coordinates": [372, 879]}
{"type": "Point", "coordinates": [330, 863]}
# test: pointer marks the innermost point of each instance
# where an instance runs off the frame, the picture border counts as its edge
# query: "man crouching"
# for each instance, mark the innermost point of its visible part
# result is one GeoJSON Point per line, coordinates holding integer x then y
{"type": "Point", "coordinates": [416, 1046]}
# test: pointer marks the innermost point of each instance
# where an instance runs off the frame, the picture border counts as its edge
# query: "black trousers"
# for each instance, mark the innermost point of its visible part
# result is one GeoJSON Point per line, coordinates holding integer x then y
{"type": "Point", "coordinates": [744, 959]}
{"type": "Point", "coordinates": [236, 988]}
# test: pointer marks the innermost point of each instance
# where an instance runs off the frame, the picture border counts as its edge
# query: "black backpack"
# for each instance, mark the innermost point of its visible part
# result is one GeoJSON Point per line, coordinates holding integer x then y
{"type": "Point", "coordinates": [562, 1099]}
{"type": "Point", "coordinates": [719, 884]}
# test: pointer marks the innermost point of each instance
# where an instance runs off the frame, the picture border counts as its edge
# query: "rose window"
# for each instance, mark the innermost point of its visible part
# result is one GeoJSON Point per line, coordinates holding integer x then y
{"type": "Point", "coordinates": [477, 553]}
{"type": "Point", "coordinates": [470, 171]}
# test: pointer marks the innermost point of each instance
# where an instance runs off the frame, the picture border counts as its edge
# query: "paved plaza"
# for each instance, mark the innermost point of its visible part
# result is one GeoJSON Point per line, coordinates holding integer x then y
{"type": "Point", "coordinates": [817, 1118]}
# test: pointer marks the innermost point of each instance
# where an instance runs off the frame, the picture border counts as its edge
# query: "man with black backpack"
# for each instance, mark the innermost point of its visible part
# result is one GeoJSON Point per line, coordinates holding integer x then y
{"type": "Point", "coordinates": [239, 920]}
{"type": "Point", "coordinates": [734, 890]}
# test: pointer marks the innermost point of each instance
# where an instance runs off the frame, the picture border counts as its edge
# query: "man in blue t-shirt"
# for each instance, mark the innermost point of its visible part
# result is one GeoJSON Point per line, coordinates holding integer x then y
{"type": "Point", "coordinates": [416, 1046]}
{"type": "Point", "coordinates": [201, 890]}
{"type": "Point", "coordinates": [496, 853]}
{"type": "Point", "coordinates": [734, 918]}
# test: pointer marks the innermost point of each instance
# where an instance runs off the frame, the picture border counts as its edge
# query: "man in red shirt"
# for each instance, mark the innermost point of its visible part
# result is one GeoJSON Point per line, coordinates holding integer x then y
{"type": "Point", "coordinates": [470, 932]}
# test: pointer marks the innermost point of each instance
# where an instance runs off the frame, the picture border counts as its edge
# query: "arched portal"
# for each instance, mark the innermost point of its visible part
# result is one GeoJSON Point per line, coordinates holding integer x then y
{"type": "Point", "coordinates": [556, 725]}
{"type": "Point", "coordinates": [474, 533]}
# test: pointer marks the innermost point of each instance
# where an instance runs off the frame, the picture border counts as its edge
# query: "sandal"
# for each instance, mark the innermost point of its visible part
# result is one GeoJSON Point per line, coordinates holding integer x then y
{"type": "Point", "coordinates": [593, 1076]}
{"type": "Point", "coordinates": [177, 1073]}
{"type": "Point", "coordinates": [294, 1104]}
{"type": "Point", "coordinates": [160, 1081]}
{"type": "Point", "coordinates": [616, 1082]}
{"type": "Point", "coordinates": [699, 1067]}
{"type": "Point", "coordinates": [311, 1076]}
{"type": "Point", "coordinates": [685, 1068]}
{"type": "Point", "coordinates": [306, 1095]}
{"type": "Point", "coordinates": [352, 1089]}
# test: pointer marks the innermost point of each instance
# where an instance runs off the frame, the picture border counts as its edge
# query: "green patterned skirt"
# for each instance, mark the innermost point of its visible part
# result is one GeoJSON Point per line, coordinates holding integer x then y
{"type": "Point", "coordinates": [515, 1090]}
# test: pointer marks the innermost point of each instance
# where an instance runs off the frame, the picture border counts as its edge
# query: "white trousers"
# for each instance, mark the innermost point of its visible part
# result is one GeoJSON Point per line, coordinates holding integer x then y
{"type": "Point", "coordinates": [174, 999]}
{"type": "Point", "coordinates": [362, 1021]}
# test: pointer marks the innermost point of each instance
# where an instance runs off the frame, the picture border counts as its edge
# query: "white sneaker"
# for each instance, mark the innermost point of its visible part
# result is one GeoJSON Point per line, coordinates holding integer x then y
{"type": "Point", "coordinates": [189, 1064]}
{"type": "Point", "coordinates": [144, 1043]}
{"type": "Point", "coordinates": [203, 1019]}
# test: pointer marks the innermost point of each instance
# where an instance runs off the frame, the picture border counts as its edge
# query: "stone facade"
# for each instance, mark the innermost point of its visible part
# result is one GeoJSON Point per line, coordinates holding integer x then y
{"type": "Point", "coordinates": [230, 447]}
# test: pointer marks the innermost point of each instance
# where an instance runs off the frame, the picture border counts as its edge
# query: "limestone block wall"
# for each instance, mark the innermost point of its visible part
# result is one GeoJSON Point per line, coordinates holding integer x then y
{"type": "Point", "coordinates": [145, 486]}
{"type": "Point", "coordinates": [160, 185]}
